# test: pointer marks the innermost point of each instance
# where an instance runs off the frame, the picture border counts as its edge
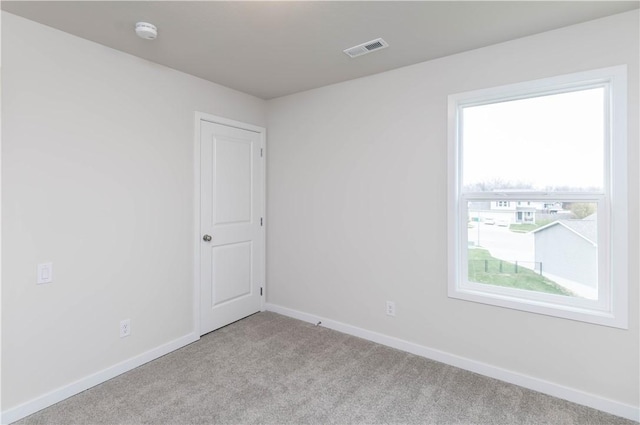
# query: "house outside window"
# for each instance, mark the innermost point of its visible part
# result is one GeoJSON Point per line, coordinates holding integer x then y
{"type": "Point", "coordinates": [559, 246]}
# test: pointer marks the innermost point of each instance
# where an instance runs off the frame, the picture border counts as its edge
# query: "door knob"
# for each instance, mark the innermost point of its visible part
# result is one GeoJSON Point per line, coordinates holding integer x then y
{"type": "Point", "coordinates": [206, 238]}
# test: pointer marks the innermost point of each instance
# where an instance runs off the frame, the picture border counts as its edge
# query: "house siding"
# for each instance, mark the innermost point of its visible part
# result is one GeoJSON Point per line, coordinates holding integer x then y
{"type": "Point", "coordinates": [566, 255]}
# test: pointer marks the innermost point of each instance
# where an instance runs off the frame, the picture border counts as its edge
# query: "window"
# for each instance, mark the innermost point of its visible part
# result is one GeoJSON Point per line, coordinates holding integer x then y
{"type": "Point", "coordinates": [554, 149]}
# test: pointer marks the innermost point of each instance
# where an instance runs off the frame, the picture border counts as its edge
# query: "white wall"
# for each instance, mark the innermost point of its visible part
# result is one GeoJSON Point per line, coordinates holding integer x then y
{"type": "Point", "coordinates": [357, 196]}
{"type": "Point", "coordinates": [97, 163]}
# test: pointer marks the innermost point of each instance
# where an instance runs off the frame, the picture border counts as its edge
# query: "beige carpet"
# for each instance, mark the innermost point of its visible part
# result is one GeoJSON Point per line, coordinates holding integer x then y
{"type": "Point", "coordinates": [270, 369]}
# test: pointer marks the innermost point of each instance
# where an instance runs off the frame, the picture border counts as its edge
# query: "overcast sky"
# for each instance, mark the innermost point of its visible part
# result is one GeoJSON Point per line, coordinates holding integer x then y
{"type": "Point", "coordinates": [552, 140]}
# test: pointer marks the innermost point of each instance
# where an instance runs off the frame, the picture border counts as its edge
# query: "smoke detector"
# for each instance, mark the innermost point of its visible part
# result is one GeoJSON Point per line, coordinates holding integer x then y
{"type": "Point", "coordinates": [364, 48]}
{"type": "Point", "coordinates": [146, 30]}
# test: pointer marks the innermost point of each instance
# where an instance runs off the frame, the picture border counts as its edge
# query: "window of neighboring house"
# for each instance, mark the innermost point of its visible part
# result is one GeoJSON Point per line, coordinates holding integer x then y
{"type": "Point", "coordinates": [559, 141]}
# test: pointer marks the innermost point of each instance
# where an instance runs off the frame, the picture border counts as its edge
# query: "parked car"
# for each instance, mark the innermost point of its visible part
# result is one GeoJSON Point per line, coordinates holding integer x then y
{"type": "Point", "coordinates": [503, 223]}
{"type": "Point", "coordinates": [489, 221]}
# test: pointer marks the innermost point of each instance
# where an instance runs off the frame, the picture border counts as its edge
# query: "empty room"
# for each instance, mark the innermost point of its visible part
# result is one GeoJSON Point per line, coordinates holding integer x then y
{"type": "Point", "coordinates": [434, 216]}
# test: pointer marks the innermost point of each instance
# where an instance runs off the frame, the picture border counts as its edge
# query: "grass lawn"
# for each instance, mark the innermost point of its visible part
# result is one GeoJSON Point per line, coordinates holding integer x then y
{"type": "Point", "coordinates": [524, 279]}
{"type": "Point", "coordinates": [524, 228]}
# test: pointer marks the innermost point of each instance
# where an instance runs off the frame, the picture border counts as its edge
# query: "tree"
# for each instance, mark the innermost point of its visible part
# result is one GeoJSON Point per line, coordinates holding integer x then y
{"type": "Point", "coordinates": [497, 184]}
{"type": "Point", "coordinates": [581, 210]}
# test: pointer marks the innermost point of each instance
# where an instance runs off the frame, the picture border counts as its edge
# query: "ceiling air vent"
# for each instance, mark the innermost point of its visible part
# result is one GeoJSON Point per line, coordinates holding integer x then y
{"type": "Point", "coordinates": [364, 48]}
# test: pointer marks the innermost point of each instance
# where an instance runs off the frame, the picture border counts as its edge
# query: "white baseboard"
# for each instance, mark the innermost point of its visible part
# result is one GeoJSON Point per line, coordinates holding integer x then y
{"type": "Point", "coordinates": [546, 387]}
{"type": "Point", "coordinates": [23, 410]}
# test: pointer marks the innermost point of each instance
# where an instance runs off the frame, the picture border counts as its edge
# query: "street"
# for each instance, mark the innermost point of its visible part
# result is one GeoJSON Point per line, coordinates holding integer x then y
{"type": "Point", "coordinates": [504, 244]}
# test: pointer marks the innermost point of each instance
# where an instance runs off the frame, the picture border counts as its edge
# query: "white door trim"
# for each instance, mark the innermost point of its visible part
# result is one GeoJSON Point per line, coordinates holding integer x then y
{"type": "Point", "coordinates": [201, 116]}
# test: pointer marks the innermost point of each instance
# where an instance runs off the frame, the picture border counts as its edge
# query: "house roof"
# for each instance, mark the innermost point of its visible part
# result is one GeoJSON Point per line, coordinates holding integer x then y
{"type": "Point", "coordinates": [587, 228]}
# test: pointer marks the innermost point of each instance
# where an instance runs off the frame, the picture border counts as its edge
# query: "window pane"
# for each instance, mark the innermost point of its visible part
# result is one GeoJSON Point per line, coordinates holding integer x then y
{"type": "Point", "coordinates": [548, 247]}
{"type": "Point", "coordinates": [546, 143]}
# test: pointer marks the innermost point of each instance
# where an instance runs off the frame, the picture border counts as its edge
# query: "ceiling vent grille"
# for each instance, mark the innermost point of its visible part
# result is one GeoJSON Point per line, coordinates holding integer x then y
{"type": "Point", "coordinates": [364, 48]}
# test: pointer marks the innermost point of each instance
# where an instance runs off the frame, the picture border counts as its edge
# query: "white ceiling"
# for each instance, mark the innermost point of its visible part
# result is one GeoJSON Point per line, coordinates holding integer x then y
{"type": "Point", "coordinates": [270, 49]}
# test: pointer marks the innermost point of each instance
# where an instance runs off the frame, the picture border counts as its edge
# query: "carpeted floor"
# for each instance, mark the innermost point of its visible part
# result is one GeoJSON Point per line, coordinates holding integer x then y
{"type": "Point", "coordinates": [270, 369]}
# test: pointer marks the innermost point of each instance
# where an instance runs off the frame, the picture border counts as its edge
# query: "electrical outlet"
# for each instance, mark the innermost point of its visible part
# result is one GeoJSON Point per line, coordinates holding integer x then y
{"type": "Point", "coordinates": [125, 328]}
{"type": "Point", "coordinates": [391, 308]}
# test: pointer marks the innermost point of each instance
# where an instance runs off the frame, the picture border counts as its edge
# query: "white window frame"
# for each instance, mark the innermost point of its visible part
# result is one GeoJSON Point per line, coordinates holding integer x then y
{"type": "Point", "coordinates": [611, 307]}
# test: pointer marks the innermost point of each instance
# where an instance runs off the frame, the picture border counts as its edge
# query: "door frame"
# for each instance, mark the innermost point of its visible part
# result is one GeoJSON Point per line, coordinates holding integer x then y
{"type": "Point", "coordinates": [261, 273]}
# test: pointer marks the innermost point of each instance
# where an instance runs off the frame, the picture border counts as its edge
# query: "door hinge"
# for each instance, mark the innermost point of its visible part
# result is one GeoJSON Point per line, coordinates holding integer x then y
{"type": "Point", "coordinates": [260, 221]}
{"type": "Point", "coordinates": [261, 291]}
{"type": "Point", "coordinates": [261, 153]}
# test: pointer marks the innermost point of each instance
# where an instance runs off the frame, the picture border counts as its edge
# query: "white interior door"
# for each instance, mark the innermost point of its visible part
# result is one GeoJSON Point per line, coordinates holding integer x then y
{"type": "Point", "coordinates": [231, 231]}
